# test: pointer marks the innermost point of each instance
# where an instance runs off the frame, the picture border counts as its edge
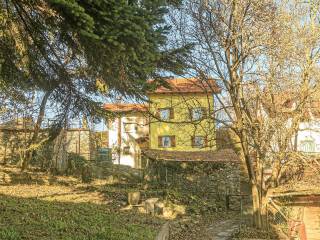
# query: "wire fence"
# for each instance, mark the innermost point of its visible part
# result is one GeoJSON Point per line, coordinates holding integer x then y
{"type": "Point", "coordinates": [278, 217]}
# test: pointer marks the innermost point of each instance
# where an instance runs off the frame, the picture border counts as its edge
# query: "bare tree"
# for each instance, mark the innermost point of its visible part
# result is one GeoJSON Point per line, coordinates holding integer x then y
{"type": "Point", "coordinates": [265, 56]}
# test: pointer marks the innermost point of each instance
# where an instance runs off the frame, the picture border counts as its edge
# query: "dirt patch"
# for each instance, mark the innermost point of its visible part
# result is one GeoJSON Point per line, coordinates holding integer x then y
{"type": "Point", "coordinates": [200, 227]}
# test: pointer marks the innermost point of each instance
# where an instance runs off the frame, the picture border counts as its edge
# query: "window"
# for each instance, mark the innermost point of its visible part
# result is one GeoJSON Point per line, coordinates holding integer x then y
{"type": "Point", "coordinates": [126, 150]}
{"type": "Point", "coordinates": [130, 127]}
{"type": "Point", "coordinates": [197, 113]}
{"type": "Point", "coordinates": [199, 141]}
{"type": "Point", "coordinates": [165, 114]}
{"type": "Point", "coordinates": [166, 141]}
{"type": "Point", "coordinates": [308, 145]}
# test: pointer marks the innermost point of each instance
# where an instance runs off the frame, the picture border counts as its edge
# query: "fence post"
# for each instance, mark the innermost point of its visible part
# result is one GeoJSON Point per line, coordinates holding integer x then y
{"type": "Point", "coordinates": [228, 201]}
{"type": "Point", "coordinates": [166, 175]}
{"type": "Point", "coordinates": [267, 216]}
{"type": "Point", "coordinates": [241, 213]}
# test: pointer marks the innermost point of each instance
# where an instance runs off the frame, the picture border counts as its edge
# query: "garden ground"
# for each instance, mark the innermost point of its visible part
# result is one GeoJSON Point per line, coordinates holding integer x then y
{"type": "Point", "coordinates": [37, 205]}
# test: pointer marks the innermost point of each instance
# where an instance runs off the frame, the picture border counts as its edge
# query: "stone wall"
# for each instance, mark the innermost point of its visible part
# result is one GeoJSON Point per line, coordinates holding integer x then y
{"type": "Point", "coordinates": [79, 141]}
{"type": "Point", "coordinates": [209, 182]}
{"type": "Point", "coordinates": [226, 138]}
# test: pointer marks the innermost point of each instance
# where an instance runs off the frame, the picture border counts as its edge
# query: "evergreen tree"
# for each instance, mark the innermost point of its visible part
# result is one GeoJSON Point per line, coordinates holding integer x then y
{"type": "Point", "coordinates": [77, 50]}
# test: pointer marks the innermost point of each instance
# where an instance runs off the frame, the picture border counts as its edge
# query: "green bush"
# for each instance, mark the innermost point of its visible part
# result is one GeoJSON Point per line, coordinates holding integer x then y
{"type": "Point", "coordinates": [86, 173]}
{"type": "Point", "coordinates": [75, 163]}
{"type": "Point", "coordinates": [78, 165]}
{"type": "Point", "coordinates": [42, 156]}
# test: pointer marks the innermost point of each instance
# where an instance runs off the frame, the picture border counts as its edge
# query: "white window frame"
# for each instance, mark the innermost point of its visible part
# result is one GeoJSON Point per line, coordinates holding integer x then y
{"type": "Point", "coordinates": [164, 111]}
{"type": "Point", "coordinates": [196, 113]}
{"type": "Point", "coordinates": [165, 139]}
{"type": "Point", "coordinates": [308, 145]}
{"type": "Point", "coordinates": [195, 141]}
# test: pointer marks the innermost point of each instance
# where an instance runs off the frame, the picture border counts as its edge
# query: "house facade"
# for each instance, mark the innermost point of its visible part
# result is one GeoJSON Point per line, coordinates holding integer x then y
{"type": "Point", "coordinates": [177, 123]}
{"type": "Point", "coordinates": [308, 136]}
{"type": "Point", "coordinates": [181, 116]}
{"type": "Point", "coordinates": [128, 130]}
{"type": "Point", "coordinates": [182, 136]}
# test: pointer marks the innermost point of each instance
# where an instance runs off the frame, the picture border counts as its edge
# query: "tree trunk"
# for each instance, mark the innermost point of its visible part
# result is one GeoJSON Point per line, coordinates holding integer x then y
{"type": "Point", "coordinates": [256, 207]}
{"type": "Point", "coordinates": [29, 153]}
{"type": "Point", "coordinates": [263, 212]}
{"type": "Point", "coordinates": [275, 172]}
{"type": "Point", "coordinates": [59, 160]}
{"type": "Point", "coordinates": [5, 154]}
{"type": "Point", "coordinates": [259, 207]}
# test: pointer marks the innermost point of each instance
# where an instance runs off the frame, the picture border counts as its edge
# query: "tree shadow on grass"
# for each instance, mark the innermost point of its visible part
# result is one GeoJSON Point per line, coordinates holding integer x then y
{"type": "Point", "coordinates": [14, 178]}
{"type": "Point", "coordinates": [30, 218]}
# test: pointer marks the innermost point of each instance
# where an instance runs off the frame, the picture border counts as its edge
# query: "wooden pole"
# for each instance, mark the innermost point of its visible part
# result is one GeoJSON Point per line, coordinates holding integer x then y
{"type": "Point", "coordinates": [79, 139]}
{"type": "Point", "coordinates": [166, 175]}
{"type": "Point", "coordinates": [119, 139]}
{"type": "Point", "coordinates": [228, 201]}
{"type": "Point", "coordinates": [241, 213]}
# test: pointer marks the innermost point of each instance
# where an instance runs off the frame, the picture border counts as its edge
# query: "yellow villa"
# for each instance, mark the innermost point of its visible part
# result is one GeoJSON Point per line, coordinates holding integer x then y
{"type": "Point", "coordinates": [178, 122]}
{"type": "Point", "coordinates": [182, 116]}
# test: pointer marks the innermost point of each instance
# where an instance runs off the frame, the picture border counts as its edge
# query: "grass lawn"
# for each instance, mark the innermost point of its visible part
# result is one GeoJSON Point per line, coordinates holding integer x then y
{"type": "Point", "coordinates": [23, 218]}
{"type": "Point", "coordinates": [35, 206]}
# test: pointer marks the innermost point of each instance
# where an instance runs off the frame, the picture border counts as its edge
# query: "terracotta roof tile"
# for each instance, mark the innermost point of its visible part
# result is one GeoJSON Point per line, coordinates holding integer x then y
{"type": "Point", "coordinates": [224, 155]}
{"type": "Point", "coordinates": [189, 85]}
{"type": "Point", "coordinates": [125, 107]}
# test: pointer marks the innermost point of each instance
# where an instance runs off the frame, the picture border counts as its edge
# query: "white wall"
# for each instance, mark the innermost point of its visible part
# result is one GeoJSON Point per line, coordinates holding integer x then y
{"type": "Point", "coordinates": [128, 138]}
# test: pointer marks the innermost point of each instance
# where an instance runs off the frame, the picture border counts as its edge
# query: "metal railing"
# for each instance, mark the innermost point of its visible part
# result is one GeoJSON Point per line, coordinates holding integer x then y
{"type": "Point", "coordinates": [278, 218]}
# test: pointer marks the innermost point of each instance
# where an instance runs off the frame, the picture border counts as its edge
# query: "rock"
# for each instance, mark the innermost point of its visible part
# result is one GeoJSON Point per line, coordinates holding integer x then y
{"type": "Point", "coordinates": [134, 198]}
{"type": "Point", "coordinates": [142, 209]}
{"type": "Point", "coordinates": [169, 213]}
{"type": "Point", "coordinates": [149, 205]}
{"type": "Point", "coordinates": [173, 210]}
{"type": "Point", "coordinates": [110, 179]}
{"type": "Point", "coordinates": [179, 209]}
{"type": "Point", "coordinates": [158, 208]}
{"type": "Point", "coordinates": [126, 208]}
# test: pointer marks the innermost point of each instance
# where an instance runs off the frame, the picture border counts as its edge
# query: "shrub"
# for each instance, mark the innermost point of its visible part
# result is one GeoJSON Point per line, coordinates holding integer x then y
{"type": "Point", "coordinates": [78, 165]}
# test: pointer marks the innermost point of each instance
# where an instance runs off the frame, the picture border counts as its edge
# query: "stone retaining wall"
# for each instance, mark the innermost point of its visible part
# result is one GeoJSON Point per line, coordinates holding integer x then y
{"type": "Point", "coordinates": [80, 141]}
{"type": "Point", "coordinates": [209, 181]}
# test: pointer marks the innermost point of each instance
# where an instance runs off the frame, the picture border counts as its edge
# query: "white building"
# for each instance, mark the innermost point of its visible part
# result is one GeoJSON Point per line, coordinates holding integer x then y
{"type": "Point", "coordinates": [308, 137]}
{"type": "Point", "coordinates": [128, 131]}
